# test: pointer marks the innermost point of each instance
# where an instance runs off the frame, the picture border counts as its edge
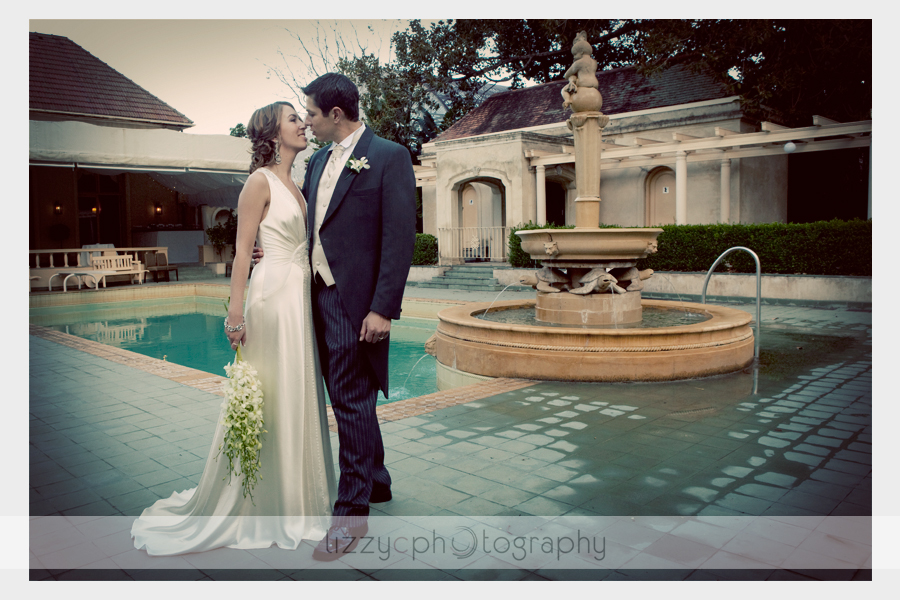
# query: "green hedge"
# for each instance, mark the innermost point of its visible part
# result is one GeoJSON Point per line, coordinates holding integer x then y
{"type": "Point", "coordinates": [426, 251]}
{"type": "Point", "coordinates": [822, 248]}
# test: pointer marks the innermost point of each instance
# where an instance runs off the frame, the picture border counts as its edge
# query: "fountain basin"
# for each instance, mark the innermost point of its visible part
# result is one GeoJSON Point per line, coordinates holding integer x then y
{"type": "Point", "coordinates": [721, 344]}
{"type": "Point", "coordinates": [589, 244]}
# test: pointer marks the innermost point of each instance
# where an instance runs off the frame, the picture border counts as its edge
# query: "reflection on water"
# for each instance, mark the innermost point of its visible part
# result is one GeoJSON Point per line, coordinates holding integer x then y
{"type": "Point", "coordinates": [190, 334]}
{"type": "Point", "coordinates": [652, 317]}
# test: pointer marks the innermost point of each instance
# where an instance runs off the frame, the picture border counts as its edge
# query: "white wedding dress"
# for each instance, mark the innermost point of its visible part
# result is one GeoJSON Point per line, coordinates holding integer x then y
{"type": "Point", "coordinates": [296, 491]}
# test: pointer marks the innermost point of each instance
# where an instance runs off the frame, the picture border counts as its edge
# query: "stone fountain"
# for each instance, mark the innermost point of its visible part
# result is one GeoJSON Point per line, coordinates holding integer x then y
{"type": "Point", "coordinates": [589, 285]}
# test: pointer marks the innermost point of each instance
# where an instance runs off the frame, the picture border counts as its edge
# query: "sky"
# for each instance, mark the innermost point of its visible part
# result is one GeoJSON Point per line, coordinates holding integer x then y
{"type": "Point", "coordinates": [216, 72]}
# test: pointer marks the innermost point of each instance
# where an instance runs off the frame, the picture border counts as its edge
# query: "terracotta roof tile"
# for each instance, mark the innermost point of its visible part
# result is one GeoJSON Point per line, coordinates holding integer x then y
{"type": "Point", "coordinates": [624, 90]}
{"type": "Point", "coordinates": [65, 77]}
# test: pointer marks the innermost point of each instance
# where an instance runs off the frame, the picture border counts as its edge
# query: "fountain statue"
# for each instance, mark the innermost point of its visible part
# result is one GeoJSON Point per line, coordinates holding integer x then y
{"type": "Point", "coordinates": [582, 91]}
{"type": "Point", "coordinates": [588, 308]}
{"type": "Point", "coordinates": [593, 259]}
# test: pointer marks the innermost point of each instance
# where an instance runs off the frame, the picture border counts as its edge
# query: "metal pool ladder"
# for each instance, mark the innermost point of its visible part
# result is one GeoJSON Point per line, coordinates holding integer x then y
{"type": "Point", "coordinates": [758, 290]}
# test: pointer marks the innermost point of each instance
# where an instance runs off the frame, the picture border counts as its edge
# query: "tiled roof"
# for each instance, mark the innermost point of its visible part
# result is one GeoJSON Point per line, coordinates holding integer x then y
{"type": "Point", "coordinates": [64, 77]}
{"type": "Point", "coordinates": [623, 90]}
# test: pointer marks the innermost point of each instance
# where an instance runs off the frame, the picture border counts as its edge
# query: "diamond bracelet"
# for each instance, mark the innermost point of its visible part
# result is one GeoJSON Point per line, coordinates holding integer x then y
{"type": "Point", "coordinates": [231, 329]}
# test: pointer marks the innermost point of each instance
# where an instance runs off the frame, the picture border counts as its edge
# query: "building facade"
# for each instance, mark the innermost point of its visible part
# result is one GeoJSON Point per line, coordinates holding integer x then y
{"type": "Point", "coordinates": [110, 163]}
{"type": "Point", "coordinates": [677, 149]}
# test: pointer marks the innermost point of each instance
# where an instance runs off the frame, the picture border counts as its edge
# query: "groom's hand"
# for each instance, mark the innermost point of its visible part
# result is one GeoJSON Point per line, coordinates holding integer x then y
{"type": "Point", "coordinates": [375, 328]}
{"type": "Point", "coordinates": [257, 254]}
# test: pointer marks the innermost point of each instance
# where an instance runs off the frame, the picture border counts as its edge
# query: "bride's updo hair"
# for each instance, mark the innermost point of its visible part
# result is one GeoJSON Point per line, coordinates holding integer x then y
{"type": "Point", "coordinates": [262, 128]}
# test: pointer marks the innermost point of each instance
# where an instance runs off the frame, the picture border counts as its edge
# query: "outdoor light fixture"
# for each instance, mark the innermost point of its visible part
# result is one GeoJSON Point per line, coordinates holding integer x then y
{"type": "Point", "coordinates": [790, 147]}
{"type": "Point", "coordinates": [94, 210]}
{"type": "Point", "coordinates": [158, 209]}
{"type": "Point", "coordinates": [57, 209]}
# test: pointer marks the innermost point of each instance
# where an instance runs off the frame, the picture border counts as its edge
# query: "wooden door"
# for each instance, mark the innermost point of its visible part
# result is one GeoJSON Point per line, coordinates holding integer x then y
{"type": "Point", "coordinates": [661, 205]}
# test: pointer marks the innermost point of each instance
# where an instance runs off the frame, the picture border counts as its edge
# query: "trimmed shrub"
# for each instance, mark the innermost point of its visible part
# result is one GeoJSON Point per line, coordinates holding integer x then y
{"type": "Point", "coordinates": [822, 248]}
{"type": "Point", "coordinates": [426, 251]}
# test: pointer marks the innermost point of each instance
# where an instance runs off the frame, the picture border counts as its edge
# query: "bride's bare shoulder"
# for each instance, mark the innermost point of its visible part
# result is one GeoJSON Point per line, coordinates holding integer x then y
{"type": "Point", "coordinates": [256, 185]}
{"type": "Point", "coordinates": [257, 179]}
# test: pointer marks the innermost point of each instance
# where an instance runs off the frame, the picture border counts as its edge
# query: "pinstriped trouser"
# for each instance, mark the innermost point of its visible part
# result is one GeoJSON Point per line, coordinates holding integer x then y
{"type": "Point", "coordinates": [353, 389]}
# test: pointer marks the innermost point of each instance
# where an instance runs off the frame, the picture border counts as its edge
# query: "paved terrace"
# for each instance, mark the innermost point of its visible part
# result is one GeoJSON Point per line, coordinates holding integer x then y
{"type": "Point", "coordinates": [751, 484]}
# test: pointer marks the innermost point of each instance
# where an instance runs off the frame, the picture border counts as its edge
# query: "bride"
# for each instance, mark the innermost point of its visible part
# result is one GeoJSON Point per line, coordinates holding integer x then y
{"type": "Point", "coordinates": [293, 498]}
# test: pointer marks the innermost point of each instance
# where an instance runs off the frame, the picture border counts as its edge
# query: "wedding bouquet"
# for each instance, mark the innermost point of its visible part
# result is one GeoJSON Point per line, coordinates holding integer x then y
{"type": "Point", "coordinates": [243, 421]}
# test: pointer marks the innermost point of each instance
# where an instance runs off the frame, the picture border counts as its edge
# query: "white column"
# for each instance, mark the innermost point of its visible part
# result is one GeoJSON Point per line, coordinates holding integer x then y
{"type": "Point", "coordinates": [725, 201]}
{"type": "Point", "coordinates": [681, 187]}
{"type": "Point", "coordinates": [541, 189]}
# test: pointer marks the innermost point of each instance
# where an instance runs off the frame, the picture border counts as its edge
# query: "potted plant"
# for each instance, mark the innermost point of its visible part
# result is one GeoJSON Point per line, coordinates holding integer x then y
{"type": "Point", "coordinates": [217, 236]}
{"type": "Point", "coordinates": [221, 236]}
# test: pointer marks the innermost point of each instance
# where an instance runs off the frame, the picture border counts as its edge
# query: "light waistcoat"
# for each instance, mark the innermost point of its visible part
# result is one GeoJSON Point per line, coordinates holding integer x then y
{"type": "Point", "coordinates": [323, 198]}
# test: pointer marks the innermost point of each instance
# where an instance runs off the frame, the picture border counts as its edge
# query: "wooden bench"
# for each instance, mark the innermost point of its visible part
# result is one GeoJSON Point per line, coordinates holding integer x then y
{"type": "Point", "coordinates": [119, 265]}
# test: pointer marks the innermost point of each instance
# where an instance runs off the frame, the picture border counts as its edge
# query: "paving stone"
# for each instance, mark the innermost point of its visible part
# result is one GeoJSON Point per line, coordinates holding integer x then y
{"type": "Point", "coordinates": [743, 504]}
{"type": "Point", "coordinates": [858, 457]}
{"type": "Point", "coordinates": [817, 450]}
{"type": "Point", "coordinates": [815, 503]}
{"type": "Point", "coordinates": [766, 492]}
{"type": "Point", "coordinates": [688, 447]}
{"type": "Point", "coordinates": [506, 495]}
{"type": "Point", "coordinates": [820, 488]}
{"type": "Point", "coordinates": [848, 467]}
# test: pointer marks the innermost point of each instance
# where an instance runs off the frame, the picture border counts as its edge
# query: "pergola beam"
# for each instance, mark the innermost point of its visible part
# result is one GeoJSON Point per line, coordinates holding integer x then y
{"type": "Point", "coordinates": [683, 137]}
{"type": "Point", "coordinates": [722, 132]}
{"type": "Point", "coordinates": [645, 142]}
{"type": "Point", "coordinates": [755, 144]}
{"type": "Point", "coordinates": [767, 126]}
{"type": "Point", "coordinates": [819, 121]}
{"type": "Point", "coordinates": [695, 157]}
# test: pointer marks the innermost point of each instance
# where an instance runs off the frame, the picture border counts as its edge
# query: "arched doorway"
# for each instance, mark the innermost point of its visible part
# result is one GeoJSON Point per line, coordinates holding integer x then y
{"type": "Point", "coordinates": [660, 197]}
{"type": "Point", "coordinates": [481, 217]}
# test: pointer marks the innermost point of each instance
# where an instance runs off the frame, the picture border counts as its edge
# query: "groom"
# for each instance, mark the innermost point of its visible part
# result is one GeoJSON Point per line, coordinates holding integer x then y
{"type": "Point", "coordinates": [360, 192]}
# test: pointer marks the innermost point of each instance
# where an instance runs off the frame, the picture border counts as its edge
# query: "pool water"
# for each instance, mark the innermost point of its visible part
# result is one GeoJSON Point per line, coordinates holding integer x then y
{"type": "Point", "coordinates": [190, 334]}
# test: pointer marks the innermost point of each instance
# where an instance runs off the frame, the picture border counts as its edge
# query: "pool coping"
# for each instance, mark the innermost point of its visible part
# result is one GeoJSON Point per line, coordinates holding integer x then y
{"type": "Point", "coordinates": [209, 382]}
{"type": "Point", "coordinates": [212, 383]}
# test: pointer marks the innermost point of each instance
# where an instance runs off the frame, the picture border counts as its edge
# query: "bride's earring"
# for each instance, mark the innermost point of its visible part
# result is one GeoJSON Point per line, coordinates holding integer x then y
{"type": "Point", "coordinates": [277, 152]}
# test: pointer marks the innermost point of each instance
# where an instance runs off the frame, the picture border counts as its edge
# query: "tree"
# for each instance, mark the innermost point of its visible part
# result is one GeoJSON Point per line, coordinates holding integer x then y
{"type": "Point", "coordinates": [787, 68]}
{"type": "Point", "coordinates": [461, 58]}
{"type": "Point", "coordinates": [783, 70]}
{"type": "Point", "coordinates": [239, 131]}
{"type": "Point", "coordinates": [393, 101]}
{"type": "Point", "coordinates": [396, 104]}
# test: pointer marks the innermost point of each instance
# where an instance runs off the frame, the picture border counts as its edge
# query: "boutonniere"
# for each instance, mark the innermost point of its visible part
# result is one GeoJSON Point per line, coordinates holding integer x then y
{"type": "Point", "coordinates": [357, 164]}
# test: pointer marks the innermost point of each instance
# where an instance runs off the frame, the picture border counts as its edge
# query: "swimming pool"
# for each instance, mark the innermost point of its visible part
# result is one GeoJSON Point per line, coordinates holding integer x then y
{"type": "Point", "coordinates": [188, 331]}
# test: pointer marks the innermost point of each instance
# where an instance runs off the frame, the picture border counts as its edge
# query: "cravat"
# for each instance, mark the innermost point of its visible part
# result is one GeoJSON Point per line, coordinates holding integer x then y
{"type": "Point", "coordinates": [332, 169]}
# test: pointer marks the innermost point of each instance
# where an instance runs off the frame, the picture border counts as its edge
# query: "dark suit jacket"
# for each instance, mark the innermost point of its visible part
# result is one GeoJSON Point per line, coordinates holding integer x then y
{"type": "Point", "coordinates": [368, 233]}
